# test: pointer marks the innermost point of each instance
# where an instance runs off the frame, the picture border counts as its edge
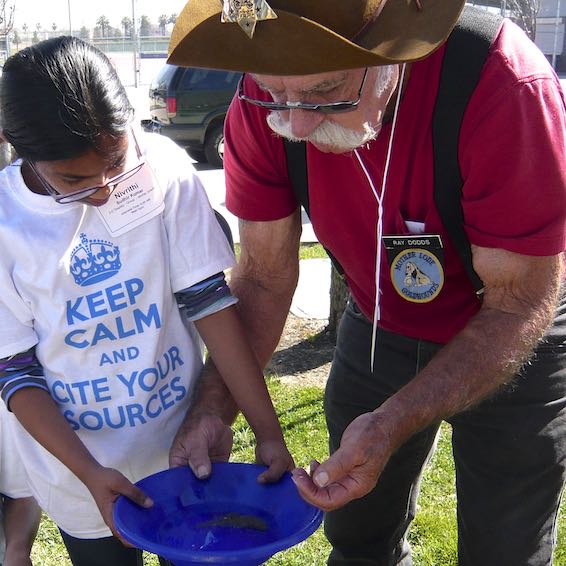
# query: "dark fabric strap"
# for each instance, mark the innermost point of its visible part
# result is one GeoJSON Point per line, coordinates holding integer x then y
{"type": "Point", "coordinates": [297, 169]}
{"type": "Point", "coordinates": [467, 49]}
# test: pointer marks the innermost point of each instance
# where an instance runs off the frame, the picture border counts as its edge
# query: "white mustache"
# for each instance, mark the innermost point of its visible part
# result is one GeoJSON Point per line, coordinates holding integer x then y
{"type": "Point", "coordinates": [329, 133]}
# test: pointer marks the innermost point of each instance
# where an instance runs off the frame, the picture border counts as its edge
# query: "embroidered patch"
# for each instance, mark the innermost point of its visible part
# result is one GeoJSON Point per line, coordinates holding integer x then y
{"type": "Point", "coordinates": [416, 266]}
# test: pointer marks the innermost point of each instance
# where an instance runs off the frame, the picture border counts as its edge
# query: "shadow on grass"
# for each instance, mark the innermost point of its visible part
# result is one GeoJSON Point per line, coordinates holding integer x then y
{"type": "Point", "coordinates": [305, 355]}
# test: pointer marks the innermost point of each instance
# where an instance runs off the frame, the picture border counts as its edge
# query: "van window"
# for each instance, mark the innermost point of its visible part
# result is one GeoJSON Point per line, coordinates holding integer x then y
{"type": "Point", "coordinates": [208, 79]}
{"type": "Point", "coordinates": [163, 78]}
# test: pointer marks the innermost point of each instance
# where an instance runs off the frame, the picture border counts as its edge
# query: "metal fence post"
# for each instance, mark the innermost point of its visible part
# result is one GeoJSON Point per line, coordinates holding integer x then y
{"type": "Point", "coordinates": [556, 31]}
{"type": "Point", "coordinates": [135, 43]}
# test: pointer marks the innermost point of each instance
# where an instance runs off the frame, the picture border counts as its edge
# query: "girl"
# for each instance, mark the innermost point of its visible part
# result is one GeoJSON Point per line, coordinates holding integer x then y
{"type": "Point", "coordinates": [112, 261]}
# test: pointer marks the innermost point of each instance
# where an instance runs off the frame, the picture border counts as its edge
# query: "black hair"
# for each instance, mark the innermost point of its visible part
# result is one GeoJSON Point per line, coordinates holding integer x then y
{"type": "Point", "coordinates": [58, 97]}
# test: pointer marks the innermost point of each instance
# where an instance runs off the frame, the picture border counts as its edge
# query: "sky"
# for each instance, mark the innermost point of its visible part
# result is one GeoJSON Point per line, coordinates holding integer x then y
{"type": "Point", "coordinates": [86, 12]}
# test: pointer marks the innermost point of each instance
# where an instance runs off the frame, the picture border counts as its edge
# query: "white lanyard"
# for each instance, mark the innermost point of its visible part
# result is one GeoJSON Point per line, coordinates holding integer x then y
{"type": "Point", "coordinates": [379, 198]}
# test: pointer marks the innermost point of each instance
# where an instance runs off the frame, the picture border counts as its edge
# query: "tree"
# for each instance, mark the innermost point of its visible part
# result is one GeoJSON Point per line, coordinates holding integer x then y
{"type": "Point", "coordinates": [145, 26]}
{"type": "Point", "coordinates": [35, 38]}
{"type": "Point", "coordinates": [84, 33]}
{"type": "Point", "coordinates": [103, 23]}
{"type": "Point", "coordinates": [38, 26]}
{"type": "Point", "coordinates": [163, 21]}
{"type": "Point", "coordinates": [25, 29]}
{"type": "Point", "coordinates": [7, 8]}
{"type": "Point", "coordinates": [54, 26]}
{"type": "Point", "coordinates": [127, 26]}
{"type": "Point", "coordinates": [524, 14]}
{"type": "Point", "coordinates": [16, 39]}
{"type": "Point", "coordinates": [172, 19]}
{"type": "Point", "coordinates": [338, 300]}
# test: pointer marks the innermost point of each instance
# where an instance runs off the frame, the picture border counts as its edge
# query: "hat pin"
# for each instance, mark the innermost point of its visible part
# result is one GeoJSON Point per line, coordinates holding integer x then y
{"type": "Point", "coordinates": [246, 13]}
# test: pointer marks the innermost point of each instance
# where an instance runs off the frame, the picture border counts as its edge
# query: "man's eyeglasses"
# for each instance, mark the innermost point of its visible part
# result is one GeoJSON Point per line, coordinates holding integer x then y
{"type": "Point", "coordinates": [324, 108]}
{"type": "Point", "coordinates": [111, 184]}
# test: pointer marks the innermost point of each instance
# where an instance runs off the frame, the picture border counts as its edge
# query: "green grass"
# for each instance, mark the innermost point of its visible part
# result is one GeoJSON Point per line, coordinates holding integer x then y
{"type": "Point", "coordinates": [306, 251]}
{"type": "Point", "coordinates": [432, 535]}
{"type": "Point", "coordinates": [312, 251]}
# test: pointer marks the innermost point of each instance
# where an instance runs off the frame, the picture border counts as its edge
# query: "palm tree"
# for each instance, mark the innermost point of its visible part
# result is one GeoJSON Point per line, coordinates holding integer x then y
{"type": "Point", "coordinates": [16, 39]}
{"type": "Point", "coordinates": [163, 21]}
{"type": "Point", "coordinates": [145, 26]}
{"type": "Point", "coordinates": [127, 25]}
{"type": "Point", "coordinates": [103, 23]}
{"type": "Point", "coordinates": [54, 26]}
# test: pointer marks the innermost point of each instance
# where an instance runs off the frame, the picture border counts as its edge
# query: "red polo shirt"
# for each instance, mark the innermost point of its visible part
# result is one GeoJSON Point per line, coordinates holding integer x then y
{"type": "Point", "coordinates": [512, 159]}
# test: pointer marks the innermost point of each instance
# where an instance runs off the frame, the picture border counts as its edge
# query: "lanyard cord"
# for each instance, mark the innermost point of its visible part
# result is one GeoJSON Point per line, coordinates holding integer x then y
{"type": "Point", "coordinates": [379, 198]}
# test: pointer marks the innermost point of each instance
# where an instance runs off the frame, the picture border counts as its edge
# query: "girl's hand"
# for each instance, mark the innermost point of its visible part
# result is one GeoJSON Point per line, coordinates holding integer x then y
{"type": "Point", "coordinates": [273, 453]}
{"type": "Point", "coordinates": [106, 485]}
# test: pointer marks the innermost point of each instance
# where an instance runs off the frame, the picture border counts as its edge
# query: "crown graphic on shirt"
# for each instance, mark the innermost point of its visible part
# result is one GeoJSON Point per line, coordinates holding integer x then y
{"type": "Point", "coordinates": [94, 260]}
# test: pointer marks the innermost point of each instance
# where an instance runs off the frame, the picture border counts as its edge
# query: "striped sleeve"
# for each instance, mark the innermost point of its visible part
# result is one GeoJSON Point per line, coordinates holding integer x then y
{"type": "Point", "coordinates": [205, 298]}
{"type": "Point", "coordinates": [20, 371]}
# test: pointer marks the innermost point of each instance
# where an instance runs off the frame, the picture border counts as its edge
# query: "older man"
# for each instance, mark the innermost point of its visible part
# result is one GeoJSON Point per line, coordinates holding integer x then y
{"type": "Point", "coordinates": [358, 82]}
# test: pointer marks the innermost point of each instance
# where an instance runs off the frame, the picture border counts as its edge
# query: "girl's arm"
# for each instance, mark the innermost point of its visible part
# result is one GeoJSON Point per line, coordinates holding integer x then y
{"type": "Point", "coordinates": [39, 415]}
{"type": "Point", "coordinates": [225, 339]}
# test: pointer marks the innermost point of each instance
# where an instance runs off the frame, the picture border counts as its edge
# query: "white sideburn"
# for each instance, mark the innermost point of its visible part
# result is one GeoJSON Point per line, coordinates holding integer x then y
{"type": "Point", "coordinates": [379, 198]}
{"type": "Point", "coordinates": [383, 79]}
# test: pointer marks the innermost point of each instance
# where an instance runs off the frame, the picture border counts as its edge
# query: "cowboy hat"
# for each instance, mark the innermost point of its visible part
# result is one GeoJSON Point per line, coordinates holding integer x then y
{"type": "Point", "coordinates": [299, 37]}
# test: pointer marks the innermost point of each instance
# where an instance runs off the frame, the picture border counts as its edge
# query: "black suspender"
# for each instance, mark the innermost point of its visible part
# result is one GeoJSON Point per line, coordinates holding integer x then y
{"type": "Point", "coordinates": [466, 52]}
{"type": "Point", "coordinates": [297, 169]}
{"type": "Point", "coordinates": [467, 49]}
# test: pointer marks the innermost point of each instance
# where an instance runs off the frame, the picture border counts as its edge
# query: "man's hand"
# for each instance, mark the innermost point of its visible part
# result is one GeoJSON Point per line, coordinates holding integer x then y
{"type": "Point", "coordinates": [274, 454]}
{"type": "Point", "coordinates": [199, 440]}
{"type": "Point", "coordinates": [352, 471]}
{"type": "Point", "coordinates": [106, 485]}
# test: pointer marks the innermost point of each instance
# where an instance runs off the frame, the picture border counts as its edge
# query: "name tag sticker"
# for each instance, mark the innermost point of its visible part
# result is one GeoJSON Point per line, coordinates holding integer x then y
{"type": "Point", "coordinates": [416, 266]}
{"type": "Point", "coordinates": [415, 227]}
{"type": "Point", "coordinates": [133, 202]}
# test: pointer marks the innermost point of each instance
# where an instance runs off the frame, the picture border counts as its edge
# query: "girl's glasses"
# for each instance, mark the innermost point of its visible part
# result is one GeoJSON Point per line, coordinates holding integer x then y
{"type": "Point", "coordinates": [111, 184]}
{"type": "Point", "coordinates": [67, 198]}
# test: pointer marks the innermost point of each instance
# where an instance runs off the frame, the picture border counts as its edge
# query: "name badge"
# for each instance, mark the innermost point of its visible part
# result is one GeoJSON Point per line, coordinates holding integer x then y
{"type": "Point", "coordinates": [416, 266]}
{"type": "Point", "coordinates": [133, 202]}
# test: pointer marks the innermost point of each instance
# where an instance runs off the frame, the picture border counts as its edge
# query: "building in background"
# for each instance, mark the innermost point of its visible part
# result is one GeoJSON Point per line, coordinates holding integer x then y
{"type": "Point", "coordinates": [543, 20]}
{"type": "Point", "coordinates": [550, 32]}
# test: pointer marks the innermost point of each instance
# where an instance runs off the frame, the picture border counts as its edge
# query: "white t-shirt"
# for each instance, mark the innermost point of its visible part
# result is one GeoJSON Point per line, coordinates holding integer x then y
{"type": "Point", "coordinates": [13, 479]}
{"type": "Point", "coordinates": [118, 359]}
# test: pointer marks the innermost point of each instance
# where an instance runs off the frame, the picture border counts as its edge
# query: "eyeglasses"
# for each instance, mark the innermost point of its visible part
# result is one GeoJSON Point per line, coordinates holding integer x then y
{"type": "Point", "coordinates": [81, 194]}
{"type": "Point", "coordinates": [67, 198]}
{"type": "Point", "coordinates": [325, 108]}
